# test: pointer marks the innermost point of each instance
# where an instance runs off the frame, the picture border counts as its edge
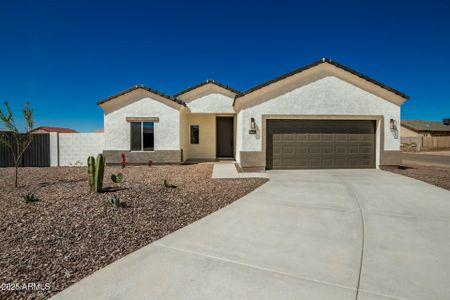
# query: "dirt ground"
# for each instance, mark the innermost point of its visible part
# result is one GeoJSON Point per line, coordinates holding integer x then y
{"type": "Point", "coordinates": [70, 233]}
{"type": "Point", "coordinates": [438, 176]}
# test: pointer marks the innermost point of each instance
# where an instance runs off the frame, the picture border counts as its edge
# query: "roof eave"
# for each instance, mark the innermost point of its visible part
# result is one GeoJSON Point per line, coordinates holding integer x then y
{"type": "Point", "coordinates": [140, 86]}
{"type": "Point", "coordinates": [316, 63]}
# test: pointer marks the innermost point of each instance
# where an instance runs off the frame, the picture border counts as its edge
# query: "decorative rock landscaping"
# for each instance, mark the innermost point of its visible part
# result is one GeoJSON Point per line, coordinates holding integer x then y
{"type": "Point", "coordinates": [71, 232]}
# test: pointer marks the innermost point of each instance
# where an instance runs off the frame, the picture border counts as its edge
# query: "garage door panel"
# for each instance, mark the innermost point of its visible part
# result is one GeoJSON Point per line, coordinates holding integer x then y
{"type": "Point", "coordinates": [314, 149]}
{"type": "Point", "coordinates": [301, 137]}
{"type": "Point", "coordinates": [328, 149]}
{"type": "Point", "coordinates": [313, 144]}
{"type": "Point", "coordinates": [315, 137]}
{"type": "Point", "coordinates": [301, 149]}
{"type": "Point", "coordinates": [340, 149]}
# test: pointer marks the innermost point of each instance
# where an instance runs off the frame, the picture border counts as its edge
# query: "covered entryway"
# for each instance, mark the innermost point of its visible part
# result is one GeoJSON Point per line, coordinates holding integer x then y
{"type": "Point", "coordinates": [320, 144]}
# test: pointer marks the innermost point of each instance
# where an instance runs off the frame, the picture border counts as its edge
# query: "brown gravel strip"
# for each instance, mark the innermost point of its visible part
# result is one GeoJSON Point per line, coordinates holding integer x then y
{"type": "Point", "coordinates": [434, 175]}
{"type": "Point", "coordinates": [70, 233]}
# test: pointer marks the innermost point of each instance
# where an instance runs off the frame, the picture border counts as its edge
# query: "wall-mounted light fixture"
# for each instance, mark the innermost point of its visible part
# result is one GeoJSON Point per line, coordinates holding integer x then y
{"type": "Point", "coordinates": [252, 126]}
{"type": "Point", "coordinates": [394, 129]}
{"type": "Point", "coordinates": [393, 125]}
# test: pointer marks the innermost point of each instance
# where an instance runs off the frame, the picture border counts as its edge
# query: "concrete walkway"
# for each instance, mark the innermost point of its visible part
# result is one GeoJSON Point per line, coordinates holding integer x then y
{"type": "Point", "coordinates": [228, 170]}
{"type": "Point", "coordinates": [329, 234]}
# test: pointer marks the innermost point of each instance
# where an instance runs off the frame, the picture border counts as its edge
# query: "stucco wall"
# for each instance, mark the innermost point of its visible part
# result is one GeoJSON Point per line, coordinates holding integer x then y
{"type": "Point", "coordinates": [184, 135]}
{"type": "Point", "coordinates": [239, 135]}
{"type": "Point", "coordinates": [167, 129]}
{"type": "Point", "coordinates": [206, 149]}
{"type": "Point", "coordinates": [326, 96]}
{"type": "Point", "coordinates": [212, 103]}
{"type": "Point", "coordinates": [75, 148]}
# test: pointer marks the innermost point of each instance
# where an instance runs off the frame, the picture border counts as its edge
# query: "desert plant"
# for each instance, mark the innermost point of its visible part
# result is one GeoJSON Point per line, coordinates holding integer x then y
{"type": "Point", "coordinates": [96, 169]}
{"type": "Point", "coordinates": [91, 173]}
{"type": "Point", "coordinates": [124, 160]}
{"type": "Point", "coordinates": [14, 140]}
{"type": "Point", "coordinates": [168, 184]}
{"type": "Point", "coordinates": [99, 172]}
{"type": "Point", "coordinates": [116, 200]}
{"type": "Point", "coordinates": [117, 178]}
{"type": "Point", "coordinates": [30, 197]}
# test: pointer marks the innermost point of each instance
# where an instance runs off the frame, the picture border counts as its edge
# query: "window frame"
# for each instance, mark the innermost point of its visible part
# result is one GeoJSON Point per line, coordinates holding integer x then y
{"type": "Point", "coordinates": [142, 136]}
{"type": "Point", "coordinates": [190, 134]}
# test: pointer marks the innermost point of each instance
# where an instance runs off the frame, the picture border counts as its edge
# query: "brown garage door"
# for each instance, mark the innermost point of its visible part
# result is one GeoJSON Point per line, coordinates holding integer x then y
{"type": "Point", "coordinates": [320, 144]}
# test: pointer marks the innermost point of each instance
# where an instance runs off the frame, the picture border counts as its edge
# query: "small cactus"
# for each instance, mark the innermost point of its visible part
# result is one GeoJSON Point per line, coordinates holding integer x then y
{"type": "Point", "coordinates": [91, 173]}
{"type": "Point", "coordinates": [117, 178]}
{"type": "Point", "coordinates": [99, 171]}
{"type": "Point", "coordinates": [30, 197]}
{"type": "Point", "coordinates": [116, 200]}
{"type": "Point", "coordinates": [168, 184]}
{"type": "Point", "coordinates": [96, 169]}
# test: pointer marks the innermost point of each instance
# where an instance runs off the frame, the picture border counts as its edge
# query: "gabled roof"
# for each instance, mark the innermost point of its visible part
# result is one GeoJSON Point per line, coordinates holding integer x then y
{"type": "Point", "coordinates": [141, 86]}
{"type": "Point", "coordinates": [55, 129]}
{"type": "Point", "coordinates": [316, 63]}
{"type": "Point", "coordinates": [209, 81]}
{"type": "Point", "coordinates": [422, 125]}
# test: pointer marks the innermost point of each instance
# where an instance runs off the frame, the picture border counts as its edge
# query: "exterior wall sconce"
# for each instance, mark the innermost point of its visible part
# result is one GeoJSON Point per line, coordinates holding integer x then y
{"type": "Point", "coordinates": [394, 129]}
{"type": "Point", "coordinates": [252, 126]}
{"type": "Point", "coordinates": [393, 125]}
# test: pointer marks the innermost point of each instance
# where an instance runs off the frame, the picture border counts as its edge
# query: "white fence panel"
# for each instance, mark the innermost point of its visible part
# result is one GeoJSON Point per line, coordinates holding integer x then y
{"type": "Point", "coordinates": [75, 148]}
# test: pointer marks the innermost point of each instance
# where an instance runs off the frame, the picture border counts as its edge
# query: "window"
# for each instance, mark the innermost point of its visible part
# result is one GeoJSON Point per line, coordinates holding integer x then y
{"type": "Point", "coordinates": [142, 136]}
{"type": "Point", "coordinates": [195, 134]}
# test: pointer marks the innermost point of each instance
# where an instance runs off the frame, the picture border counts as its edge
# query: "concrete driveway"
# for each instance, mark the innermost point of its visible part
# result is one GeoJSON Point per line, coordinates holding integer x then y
{"type": "Point", "coordinates": [328, 234]}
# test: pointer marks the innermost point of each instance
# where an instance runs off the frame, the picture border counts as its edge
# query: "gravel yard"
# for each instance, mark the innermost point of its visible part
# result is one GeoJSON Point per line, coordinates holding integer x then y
{"type": "Point", "coordinates": [435, 175]}
{"type": "Point", "coordinates": [70, 232]}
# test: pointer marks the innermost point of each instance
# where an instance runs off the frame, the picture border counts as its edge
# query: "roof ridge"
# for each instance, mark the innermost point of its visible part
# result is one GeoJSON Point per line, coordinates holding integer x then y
{"type": "Point", "coordinates": [207, 81]}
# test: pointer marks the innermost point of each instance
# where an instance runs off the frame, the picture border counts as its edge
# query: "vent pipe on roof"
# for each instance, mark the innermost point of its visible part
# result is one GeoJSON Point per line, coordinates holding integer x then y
{"type": "Point", "coordinates": [446, 122]}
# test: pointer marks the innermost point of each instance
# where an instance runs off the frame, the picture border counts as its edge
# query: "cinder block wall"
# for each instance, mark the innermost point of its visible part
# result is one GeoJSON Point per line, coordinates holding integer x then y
{"type": "Point", "coordinates": [73, 149]}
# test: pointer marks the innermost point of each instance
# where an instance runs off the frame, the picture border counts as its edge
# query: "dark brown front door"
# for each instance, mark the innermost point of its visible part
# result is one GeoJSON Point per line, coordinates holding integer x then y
{"type": "Point", "coordinates": [224, 136]}
{"type": "Point", "coordinates": [320, 144]}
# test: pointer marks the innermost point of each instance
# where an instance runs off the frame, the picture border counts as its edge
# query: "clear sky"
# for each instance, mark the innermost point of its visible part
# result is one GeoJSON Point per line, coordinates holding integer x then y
{"type": "Point", "coordinates": [64, 56]}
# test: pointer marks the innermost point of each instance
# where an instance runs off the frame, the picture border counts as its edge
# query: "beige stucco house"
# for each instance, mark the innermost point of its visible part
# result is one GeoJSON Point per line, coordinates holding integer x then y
{"type": "Point", "coordinates": [323, 115]}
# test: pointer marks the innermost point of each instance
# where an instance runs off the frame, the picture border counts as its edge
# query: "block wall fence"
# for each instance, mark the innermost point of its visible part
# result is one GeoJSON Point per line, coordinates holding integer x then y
{"type": "Point", "coordinates": [73, 149]}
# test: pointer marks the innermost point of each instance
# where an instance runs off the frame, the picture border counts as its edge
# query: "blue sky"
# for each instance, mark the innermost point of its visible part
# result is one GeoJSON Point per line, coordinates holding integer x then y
{"type": "Point", "coordinates": [65, 56]}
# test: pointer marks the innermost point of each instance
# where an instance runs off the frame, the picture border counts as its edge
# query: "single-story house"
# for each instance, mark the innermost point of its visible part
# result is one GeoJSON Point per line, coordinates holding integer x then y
{"type": "Point", "coordinates": [419, 128]}
{"type": "Point", "coordinates": [47, 129]}
{"type": "Point", "coordinates": [323, 115]}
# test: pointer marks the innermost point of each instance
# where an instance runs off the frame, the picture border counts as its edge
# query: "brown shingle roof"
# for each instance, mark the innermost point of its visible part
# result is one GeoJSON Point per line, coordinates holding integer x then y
{"type": "Point", "coordinates": [422, 125]}
{"type": "Point", "coordinates": [55, 129]}
{"type": "Point", "coordinates": [204, 83]}
{"type": "Point", "coordinates": [141, 86]}
{"type": "Point", "coordinates": [324, 60]}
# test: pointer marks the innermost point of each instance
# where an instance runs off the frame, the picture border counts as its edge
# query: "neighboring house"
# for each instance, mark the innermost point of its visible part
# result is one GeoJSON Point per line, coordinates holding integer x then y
{"type": "Point", "coordinates": [323, 115]}
{"type": "Point", "coordinates": [46, 129]}
{"type": "Point", "coordinates": [419, 128]}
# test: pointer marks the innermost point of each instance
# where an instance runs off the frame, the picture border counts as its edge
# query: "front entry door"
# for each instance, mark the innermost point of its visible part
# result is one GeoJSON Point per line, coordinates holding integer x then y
{"type": "Point", "coordinates": [224, 136]}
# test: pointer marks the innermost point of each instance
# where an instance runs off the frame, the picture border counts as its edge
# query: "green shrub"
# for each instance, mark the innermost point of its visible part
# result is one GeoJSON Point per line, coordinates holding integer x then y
{"type": "Point", "coordinates": [116, 200]}
{"type": "Point", "coordinates": [117, 178]}
{"type": "Point", "coordinates": [30, 197]}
